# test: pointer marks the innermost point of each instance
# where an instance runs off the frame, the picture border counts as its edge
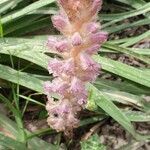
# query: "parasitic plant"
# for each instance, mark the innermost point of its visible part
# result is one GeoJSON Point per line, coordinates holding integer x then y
{"type": "Point", "coordinates": [74, 68]}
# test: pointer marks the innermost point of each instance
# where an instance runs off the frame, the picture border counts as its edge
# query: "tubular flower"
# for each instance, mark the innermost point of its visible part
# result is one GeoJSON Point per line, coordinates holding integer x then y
{"type": "Point", "coordinates": [74, 68]}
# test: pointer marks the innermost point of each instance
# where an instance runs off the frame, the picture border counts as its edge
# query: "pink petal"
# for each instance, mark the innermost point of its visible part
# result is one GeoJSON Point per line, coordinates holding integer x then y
{"type": "Point", "coordinates": [87, 63]}
{"type": "Point", "coordinates": [59, 86]}
{"type": "Point", "coordinates": [51, 42]}
{"type": "Point", "coordinates": [99, 37]}
{"type": "Point", "coordinates": [68, 67]}
{"type": "Point", "coordinates": [54, 67]}
{"type": "Point", "coordinates": [92, 27]}
{"type": "Point", "coordinates": [59, 22]}
{"type": "Point", "coordinates": [76, 39]}
{"type": "Point", "coordinates": [62, 46]}
{"type": "Point", "coordinates": [96, 6]}
{"type": "Point", "coordinates": [76, 86]}
{"type": "Point", "coordinates": [47, 87]}
{"type": "Point", "coordinates": [93, 49]}
{"type": "Point", "coordinates": [89, 76]}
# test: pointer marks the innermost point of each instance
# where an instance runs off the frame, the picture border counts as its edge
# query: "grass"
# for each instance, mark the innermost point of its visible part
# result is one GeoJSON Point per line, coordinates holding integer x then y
{"type": "Point", "coordinates": [23, 63]}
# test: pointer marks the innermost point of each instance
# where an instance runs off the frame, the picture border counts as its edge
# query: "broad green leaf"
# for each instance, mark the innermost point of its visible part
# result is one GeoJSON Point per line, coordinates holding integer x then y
{"type": "Point", "coordinates": [11, 143]}
{"type": "Point", "coordinates": [130, 42]}
{"type": "Point", "coordinates": [127, 51]}
{"type": "Point", "coordinates": [21, 136]}
{"type": "Point", "coordinates": [103, 84]}
{"type": "Point", "coordinates": [93, 143]}
{"type": "Point", "coordinates": [39, 24]}
{"type": "Point", "coordinates": [20, 23]}
{"type": "Point", "coordinates": [123, 70]}
{"type": "Point", "coordinates": [21, 78]}
{"type": "Point", "coordinates": [128, 25]}
{"type": "Point", "coordinates": [3, 1]}
{"type": "Point", "coordinates": [34, 143]}
{"type": "Point", "coordinates": [26, 10]}
{"type": "Point", "coordinates": [126, 42]}
{"type": "Point", "coordinates": [124, 98]}
{"type": "Point", "coordinates": [105, 103]}
{"type": "Point", "coordinates": [137, 116]}
{"type": "Point", "coordinates": [145, 8]}
{"type": "Point", "coordinates": [135, 3]}
{"type": "Point", "coordinates": [22, 51]}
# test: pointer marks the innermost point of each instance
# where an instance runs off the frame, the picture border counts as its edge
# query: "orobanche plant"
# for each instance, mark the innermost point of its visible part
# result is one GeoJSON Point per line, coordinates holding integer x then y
{"type": "Point", "coordinates": [74, 66]}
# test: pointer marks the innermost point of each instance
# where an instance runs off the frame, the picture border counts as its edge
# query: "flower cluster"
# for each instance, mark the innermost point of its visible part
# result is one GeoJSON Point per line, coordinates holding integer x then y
{"type": "Point", "coordinates": [74, 66]}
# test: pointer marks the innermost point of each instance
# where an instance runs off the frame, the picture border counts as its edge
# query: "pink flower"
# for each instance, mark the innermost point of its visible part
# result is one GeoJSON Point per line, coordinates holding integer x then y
{"type": "Point", "coordinates": [61, 117]}
{"type": "Point", "coordinates": [82, 101]}
{"type": "Point", "coordinates": [99, 37]}
{"type": "Point", "coordinates": [76, 86]}
{"type": "Point", "coordinates": [89, 76]}
{"type": "Point", "coordinates": [51, 103]}
{"type": "Point", "coordinates": [68, 67]}
{"type": "Point", "coordinates": [59, 22]}
{"type": "Point", "coordinates": [76, 39]}
{"type": "Point", "coordinates": [54, 66]}
{"type": "Point", "coordinates": [56, 123]}
{"type": "Point", "coordinates": [47, 87]}
{"type": "Point", "coordinates": [96, 6]}
{"type": "Point", "coordinates": [62, 46]}
{"type": "Point", "coordinates": [93, 49]}
{"type": "Point", "coordinates": [92, 27]}
{"type": "Point", "coordinates": [51, 42]}
{"type": "Point", "coordinates": [60, 86]}
{"type": "Point", "coordinates": [87, 63]}
{"type": "Point", "coordinates": [62, 2]}
{"type": "Point", "coordinates": [82, 98]}
{"type": "Point", "coordinates": [58, 44]}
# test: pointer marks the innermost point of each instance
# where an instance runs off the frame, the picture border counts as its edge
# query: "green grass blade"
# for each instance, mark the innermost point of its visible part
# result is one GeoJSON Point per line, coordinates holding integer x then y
{"type": "Point", "coordinates": [133, 41]}
{"type": "Point", "coordinates": [134, 4]}
{"type": "Point", "coordinates": [34, 143]}
{"type": "Point", "coordinates": [141, 10]}
{"type": "Point", "coordinates": [1, 29]}
{"type": "Point", "coordinates": [93, 143]}
{"type": "Point", "coordinates": [124, 98]}
{"type": "Point", "coordinates": [21, 78]}
{"type": "Point", "coordinates": [11, 143]}
{"type": "Point", "coordinates": [105, 103]}
{"type": "Point", "coordinates": [26, 10]}
{"type": "Point", "coordinates": [128, 25]}
{"type": "Point", "coordinates": [125, 71]}
{"type": "Point", "coordinates": [20, 23]}
{"type": "Point", "coordinates": [36, 25]}
{"type": "Point", "coordinates": [137, 116]}
{"type": "Point", "coordinates": [129, 87]}
{"type": "Point", "coordinates": [127, 51]}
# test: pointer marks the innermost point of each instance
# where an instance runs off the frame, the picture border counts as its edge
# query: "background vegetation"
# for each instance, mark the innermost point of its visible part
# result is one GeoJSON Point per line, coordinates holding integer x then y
{"type": "Point", "coordinates": [120, 94]}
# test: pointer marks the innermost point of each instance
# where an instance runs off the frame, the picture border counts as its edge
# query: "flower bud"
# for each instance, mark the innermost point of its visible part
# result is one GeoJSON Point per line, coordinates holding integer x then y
{"type": "Point", "coordinates": [54, 66]}
{"type": "Point", "coordinates": [93, 49]}
{"type": "Point", "coordinates": [68, 68]}
{"type": "Point", "coordinates": [76, 86]}
{"type": "Point", "coordinates": [62, 46]}
{"type": "Point", "coordinates": [92, 27]}
{"type": "Point", "coordinates": [76, 39]}
{"type": "Point", "coordinates": [51, 42]}
{"type": "Point", "coordinates": [87, 63]}
{"type": "Point", "coordinates": [99, 37]}
{"type": "Point", "coordinates": [59, 22]}
{"type": "Point", "coordinates": [96, 6]}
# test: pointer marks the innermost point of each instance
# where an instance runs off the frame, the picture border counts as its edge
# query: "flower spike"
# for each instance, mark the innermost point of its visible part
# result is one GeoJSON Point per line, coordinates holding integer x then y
{"type": "Point", "coordinates": [81, 38]}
